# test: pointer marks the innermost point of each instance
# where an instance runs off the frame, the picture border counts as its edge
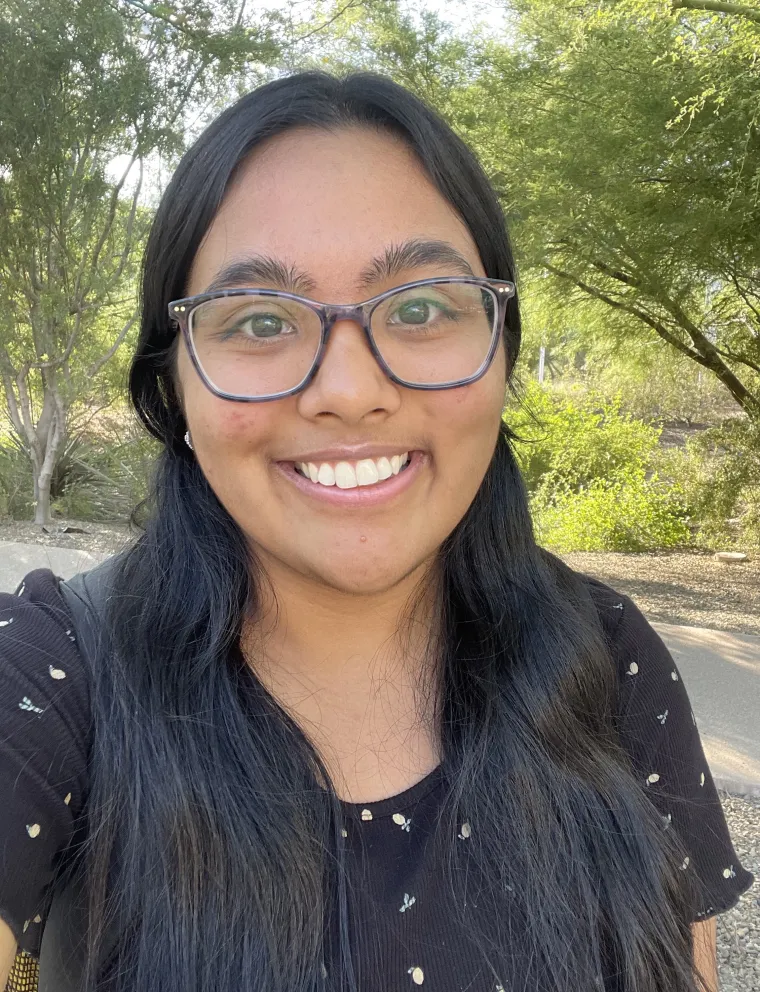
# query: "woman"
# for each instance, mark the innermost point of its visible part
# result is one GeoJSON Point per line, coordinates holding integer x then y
{"type": "Point", "coordinates": [350, 728]}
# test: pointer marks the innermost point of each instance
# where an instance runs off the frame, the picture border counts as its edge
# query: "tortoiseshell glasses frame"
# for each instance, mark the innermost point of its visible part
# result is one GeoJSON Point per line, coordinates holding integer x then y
{"type": "Point", "coordinates": [501, 290]}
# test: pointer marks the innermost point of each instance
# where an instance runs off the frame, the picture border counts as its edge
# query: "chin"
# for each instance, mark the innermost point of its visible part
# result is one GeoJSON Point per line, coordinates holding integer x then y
{"type": "Point", "coordinates": [362, 579]}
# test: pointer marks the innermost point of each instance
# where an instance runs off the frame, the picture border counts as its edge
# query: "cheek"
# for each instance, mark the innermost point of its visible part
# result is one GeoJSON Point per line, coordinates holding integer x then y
{"type": "Point", "coordinates": [229, 441]}
{"type": "Point", "coordinates": [468, 422]}
{"type": "Point", "coordinates": [220, 428]}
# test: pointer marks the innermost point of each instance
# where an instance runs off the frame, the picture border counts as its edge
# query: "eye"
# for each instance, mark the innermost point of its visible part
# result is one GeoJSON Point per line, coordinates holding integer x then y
{"type": "Point", "coordinates": [418, 311]}
{"type": "Point", "coordinates": [263, 325]}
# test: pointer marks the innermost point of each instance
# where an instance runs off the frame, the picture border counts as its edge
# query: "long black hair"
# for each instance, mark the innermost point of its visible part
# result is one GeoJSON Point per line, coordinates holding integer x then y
{"type": "Point", "coordinates": [211, 832]}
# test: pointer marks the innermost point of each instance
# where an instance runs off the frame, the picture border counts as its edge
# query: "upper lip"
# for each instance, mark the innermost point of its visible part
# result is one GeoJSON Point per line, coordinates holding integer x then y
{"type": "Point", "coordinates": [350, 453]}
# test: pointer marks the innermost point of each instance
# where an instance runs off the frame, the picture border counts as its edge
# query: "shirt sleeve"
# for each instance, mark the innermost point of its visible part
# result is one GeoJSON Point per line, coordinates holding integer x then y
{"type": "Point", "coordinates": [658, 730]}
{"type": "Point", "coordinates": [44, 746]}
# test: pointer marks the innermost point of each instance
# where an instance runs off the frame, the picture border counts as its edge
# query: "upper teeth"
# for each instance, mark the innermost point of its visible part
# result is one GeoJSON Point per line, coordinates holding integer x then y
{"type": "Point", "coordinates": [349, 475]}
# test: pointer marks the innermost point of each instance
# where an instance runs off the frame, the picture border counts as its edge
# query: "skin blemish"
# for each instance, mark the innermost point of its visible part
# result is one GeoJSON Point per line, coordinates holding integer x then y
{"type": "Point", "coordinates": [363, 538]}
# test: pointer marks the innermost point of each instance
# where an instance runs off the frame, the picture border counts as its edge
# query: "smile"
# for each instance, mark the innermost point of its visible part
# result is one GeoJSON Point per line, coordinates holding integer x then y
{"type": "Point", "coordinates": [349, 475]}
{"type": "Point", "coordinates": [364, 483]}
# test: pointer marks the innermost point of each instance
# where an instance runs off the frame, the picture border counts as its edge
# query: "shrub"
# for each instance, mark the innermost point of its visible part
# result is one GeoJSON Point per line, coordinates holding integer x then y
{"type": "Point", "coordinates": [16, 480]}
{"type": "Point", "coordinates": [628, 513]}
{"type": "Point", "coordinates": [570, 440]}
{"type": "Point", "coordinates": [107, 472]}
{"type": "Point", "coordinates": [719, 471]}
{"type": "Point", "coordinates": [102, 473]}
{"type": "Point", "coordinates": [589, 472]}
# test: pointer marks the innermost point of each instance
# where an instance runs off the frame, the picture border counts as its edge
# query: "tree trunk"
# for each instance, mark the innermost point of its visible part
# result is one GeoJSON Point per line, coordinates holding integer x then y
{"type": "Point", "coordinates": [53, 442]}
{"type": "Point", "coordinates": [42, 507]}
{"type": "Point", "coordinates": [46, 437]}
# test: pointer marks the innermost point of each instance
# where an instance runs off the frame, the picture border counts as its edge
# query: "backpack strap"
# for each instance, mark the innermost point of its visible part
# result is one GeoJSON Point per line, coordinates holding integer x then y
{"type": "Point", "coordinates": [62, 952]}
{"type": "Point", "coordinates": [86, 596]}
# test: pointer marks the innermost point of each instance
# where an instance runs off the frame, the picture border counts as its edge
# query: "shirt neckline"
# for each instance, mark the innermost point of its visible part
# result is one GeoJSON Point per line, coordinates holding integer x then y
{"type": "Point", "coordinates": [394, 804]}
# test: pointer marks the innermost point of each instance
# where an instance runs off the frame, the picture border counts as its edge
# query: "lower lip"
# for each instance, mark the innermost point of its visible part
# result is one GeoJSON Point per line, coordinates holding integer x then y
{"type": "Point", "coordinates": [360, 496]}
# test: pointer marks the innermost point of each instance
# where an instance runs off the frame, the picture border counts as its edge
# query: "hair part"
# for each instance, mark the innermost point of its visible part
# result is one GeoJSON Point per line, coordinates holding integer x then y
{"type": "Point", "coordinates": [208, 821]}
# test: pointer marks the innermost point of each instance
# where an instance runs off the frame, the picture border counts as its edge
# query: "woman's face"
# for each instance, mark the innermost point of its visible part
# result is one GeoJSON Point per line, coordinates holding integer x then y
{"type": "Point", "coordinates": [334, 207]}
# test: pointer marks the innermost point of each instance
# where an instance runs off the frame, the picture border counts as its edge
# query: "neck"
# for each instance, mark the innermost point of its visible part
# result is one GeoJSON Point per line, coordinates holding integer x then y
{"type": "Point", "coordinates": [357, 673]}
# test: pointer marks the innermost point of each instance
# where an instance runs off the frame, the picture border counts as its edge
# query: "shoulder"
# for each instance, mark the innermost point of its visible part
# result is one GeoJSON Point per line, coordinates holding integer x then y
{"type": "Point", "coordinates": [41, 663]}
{"type": "Point", "coordinates": [650, 687]}
{"type": "Point", "coordinates": [635, 645]}
{"type": "Point", "coordinates": [610, 604]}
{"type": "Point", "coordinates": [45, 744]}
{"type": "Point", "coordinates": [658, 731]}
{"type": "Point", "coordinates": [35, 617]}
{"type": "Point", "coordinates": [39, 592]}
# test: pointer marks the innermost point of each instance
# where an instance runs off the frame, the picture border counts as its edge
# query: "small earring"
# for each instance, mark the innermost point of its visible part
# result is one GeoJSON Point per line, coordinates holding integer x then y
{"type": "Point", "coordinates": [188, 442]}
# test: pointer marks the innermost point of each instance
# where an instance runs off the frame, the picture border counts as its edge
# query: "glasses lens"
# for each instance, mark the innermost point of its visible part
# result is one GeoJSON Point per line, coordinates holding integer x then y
{"type": "Point", "coordinates": [434, 334]}
{"type": "Point", "coordinates": [254, 345]}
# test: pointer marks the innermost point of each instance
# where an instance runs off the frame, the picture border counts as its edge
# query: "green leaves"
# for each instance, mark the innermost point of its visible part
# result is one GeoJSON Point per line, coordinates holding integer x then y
{"type": "Point", "coordinates": [590, 472]}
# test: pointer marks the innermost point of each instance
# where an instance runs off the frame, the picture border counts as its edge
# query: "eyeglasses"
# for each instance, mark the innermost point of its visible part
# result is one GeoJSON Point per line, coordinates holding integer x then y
{"type": "Point", "coordinates": [252, 345]}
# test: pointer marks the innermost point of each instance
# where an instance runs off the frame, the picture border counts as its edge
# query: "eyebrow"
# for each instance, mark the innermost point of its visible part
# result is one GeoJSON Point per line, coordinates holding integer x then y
{"type": "Point", "coordinates": [412, 254]}
{"type": "Point", "coordinates": [255, 269]}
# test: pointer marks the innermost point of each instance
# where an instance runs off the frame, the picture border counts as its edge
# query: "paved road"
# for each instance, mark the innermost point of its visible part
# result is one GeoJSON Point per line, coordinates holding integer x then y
{"type": "Point", "coordinates": [18, 559]}
{"type": "Point", "coordinates": [721, 672]}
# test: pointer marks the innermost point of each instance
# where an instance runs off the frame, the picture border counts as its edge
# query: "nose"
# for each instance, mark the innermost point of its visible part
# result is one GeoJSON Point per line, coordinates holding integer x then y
{"type": "Point", "coordinates": [349, 383]}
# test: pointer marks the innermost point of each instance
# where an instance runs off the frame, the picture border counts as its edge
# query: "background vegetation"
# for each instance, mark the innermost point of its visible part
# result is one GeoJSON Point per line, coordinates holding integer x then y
{"type": "Point", "coordinates": [623, 138]}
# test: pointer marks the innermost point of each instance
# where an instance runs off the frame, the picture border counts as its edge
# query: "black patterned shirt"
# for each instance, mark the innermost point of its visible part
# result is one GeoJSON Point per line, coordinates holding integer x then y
{"type": "Point", "coordinates": [404, 938]}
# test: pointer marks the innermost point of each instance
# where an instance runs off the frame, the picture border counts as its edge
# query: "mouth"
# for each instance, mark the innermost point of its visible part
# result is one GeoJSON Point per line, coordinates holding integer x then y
{"type": "Point", "coordinates": [360, 483]}
{"type": "Point", "coordinates": [350, 475]}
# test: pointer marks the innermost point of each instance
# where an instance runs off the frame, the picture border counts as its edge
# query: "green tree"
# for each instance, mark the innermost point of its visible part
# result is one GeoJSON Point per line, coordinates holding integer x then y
{"type": "Point", "coordinates": [624, 141]}
{"type": "Point", "coordinates": [88, 85]}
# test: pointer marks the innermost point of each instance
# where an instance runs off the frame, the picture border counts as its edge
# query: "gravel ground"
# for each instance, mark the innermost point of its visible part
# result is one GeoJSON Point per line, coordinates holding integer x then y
{"type": "Point", "coordinates": [85, 536]}
{"type": "Point", "coordinates": [689, 588]}
{"type": "Point", "coordinates": [739, 928]}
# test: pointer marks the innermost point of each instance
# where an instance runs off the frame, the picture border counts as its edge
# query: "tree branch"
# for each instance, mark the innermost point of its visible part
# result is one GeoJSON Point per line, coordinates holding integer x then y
{"type": "Point", "coordinates": [745, 296]}
{"type": "Point", "coordinates": [629, 308]}
{"type": "Point", "coordinates": [94, 369]}
{"type": "Point", "coordinates": [128, 236]}
{"type": "Point", "coordinates": [738, 9]}
{"type": "Point", "coordinates": [10, 395]}
{"type": "Point", "coordinates": [111, 214]}
{"type": "Point", "coordinates": [348, 6]}
{"type": "Point", "coordinates": [25, 411]}
{"type": "Point", "coordinates": [738, 358]}
{"type": "Point", "coordinates": [705, 355]}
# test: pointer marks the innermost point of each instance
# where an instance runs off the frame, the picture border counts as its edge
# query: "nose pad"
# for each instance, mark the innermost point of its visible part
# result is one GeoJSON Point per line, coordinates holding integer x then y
{"type": "Point", "coordinates": [353, 315]}
{"type": "Point", "coordinates": [334, 314]}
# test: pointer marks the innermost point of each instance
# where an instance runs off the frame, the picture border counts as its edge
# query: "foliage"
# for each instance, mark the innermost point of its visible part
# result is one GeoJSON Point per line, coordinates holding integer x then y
{"type": "Point", "coordinates": [109, 473]}
{"type": "Point", "coordinates": [631, 183]}
{"type": "Point", "coordinates": [15, 479]}
{"type": "Point", "coordinates": [415, 47]}
{"type": "Point", "coordinates": [587, 467]}
{"type": "Point", "coordinates": [719, 473]}
{"type": "Point", "coordinates": [574, 440]}
{"type": "Point", "coordinates": [102, 473]}
{"type": "Point", "coordinates": [628, 513]}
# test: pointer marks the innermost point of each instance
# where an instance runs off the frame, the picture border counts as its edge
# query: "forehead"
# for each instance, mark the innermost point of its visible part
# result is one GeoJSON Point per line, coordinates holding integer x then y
{"type": "Point", "coordinates": [328, 204]}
